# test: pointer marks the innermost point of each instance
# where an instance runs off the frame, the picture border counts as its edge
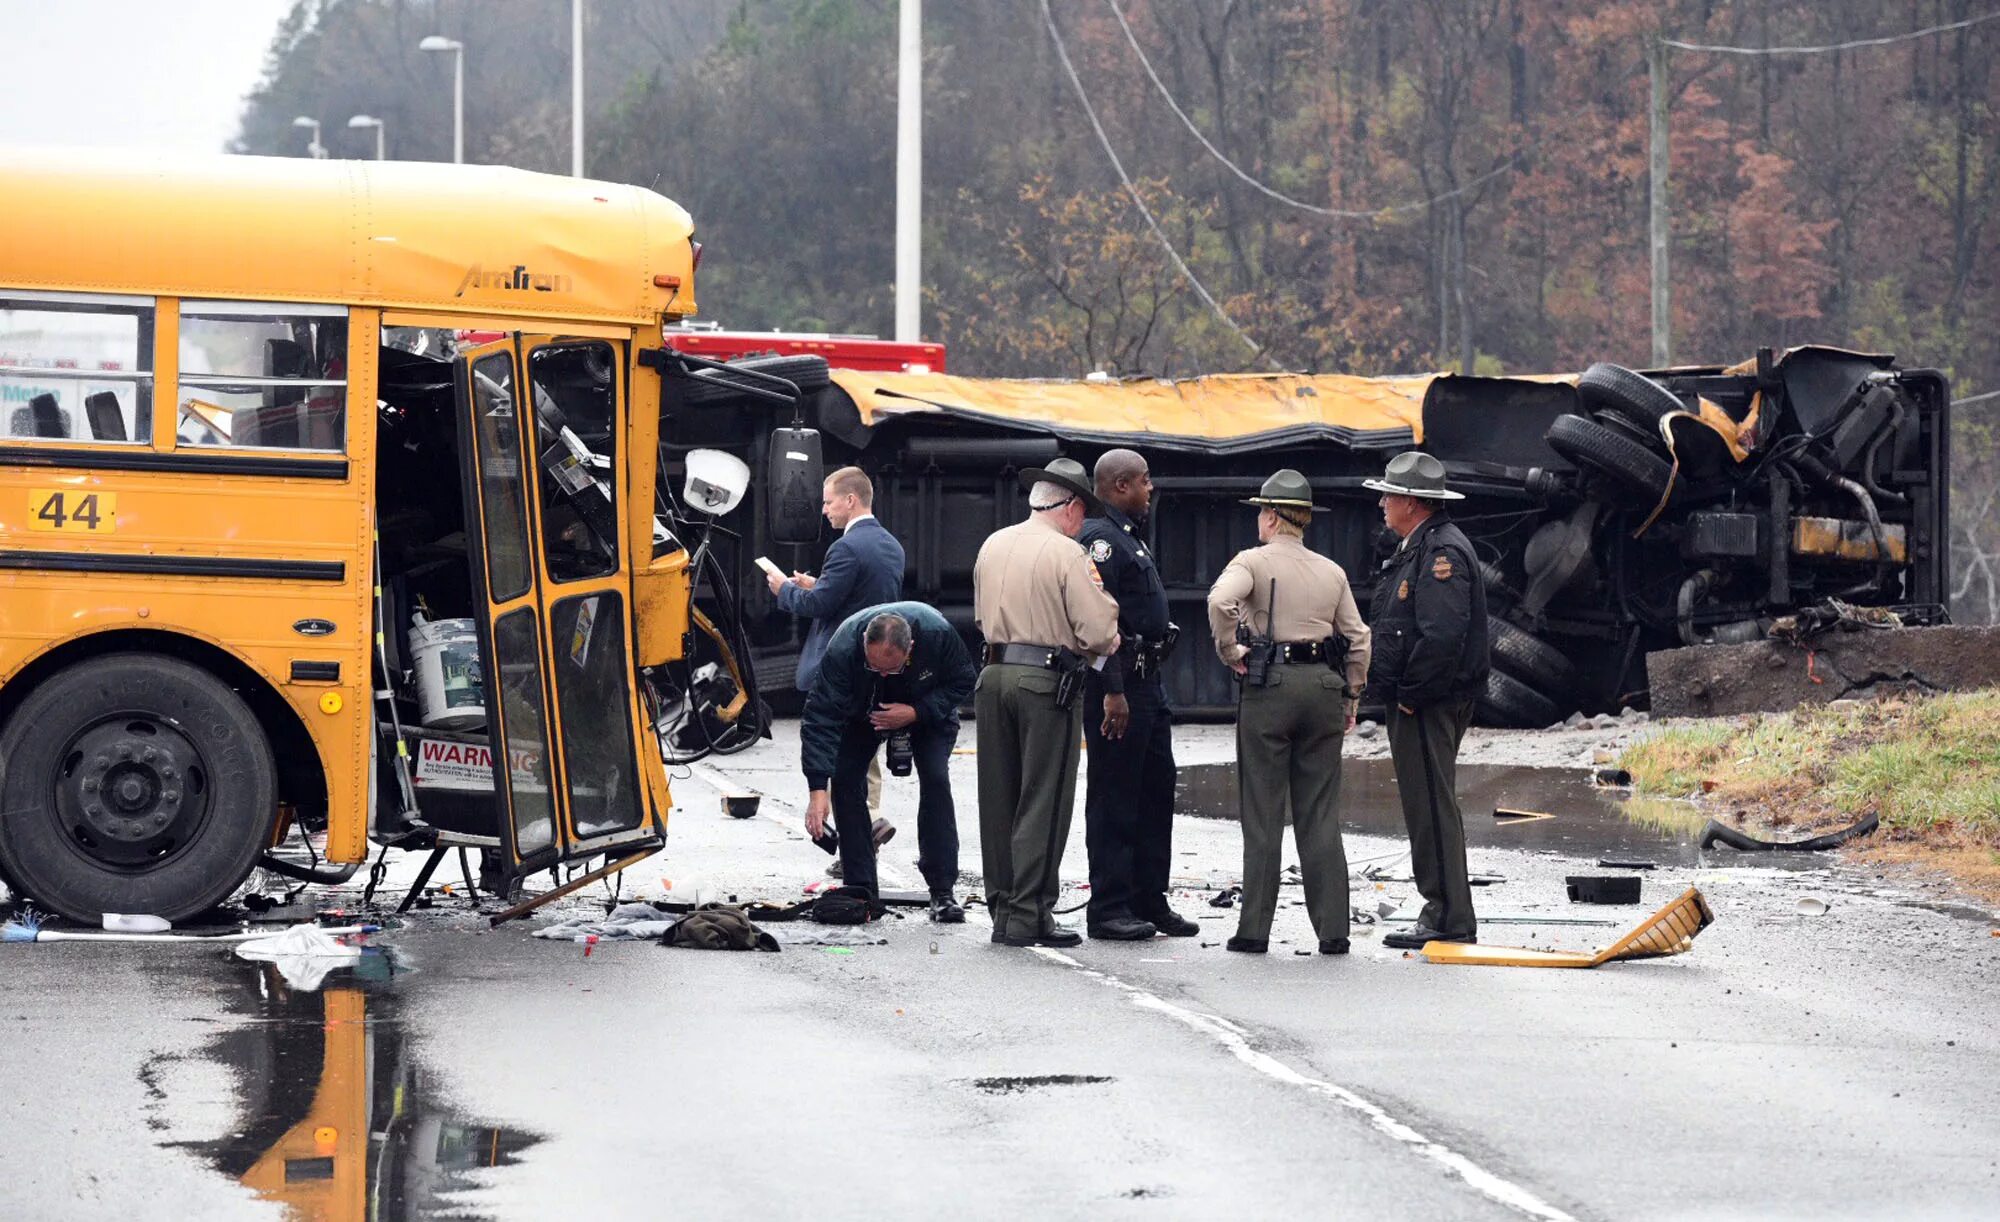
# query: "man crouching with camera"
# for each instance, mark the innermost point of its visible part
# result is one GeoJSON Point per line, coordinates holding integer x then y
{"type": "Point", "coordinates": [894, 674]}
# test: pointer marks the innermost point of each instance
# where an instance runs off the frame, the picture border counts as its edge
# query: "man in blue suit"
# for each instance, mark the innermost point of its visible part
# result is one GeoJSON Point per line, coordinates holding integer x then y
{"type": "Point", "coordinates": [863, 568]}
{"type": "Point", "coordinates": [893, 670]}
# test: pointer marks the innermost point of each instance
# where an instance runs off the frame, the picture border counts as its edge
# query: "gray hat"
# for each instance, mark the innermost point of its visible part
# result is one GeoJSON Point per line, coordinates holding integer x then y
{"type": "Point", "coordinates": [1285, 490]}
{"type": "Point", "coordinates": [1065, 471]}
{"type": "Point", "coordinates": [1414, 473]}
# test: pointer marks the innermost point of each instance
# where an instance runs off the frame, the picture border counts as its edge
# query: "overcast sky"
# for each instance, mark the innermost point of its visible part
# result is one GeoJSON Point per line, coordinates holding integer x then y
{"type": "Point", "coordinates": [160, 74]}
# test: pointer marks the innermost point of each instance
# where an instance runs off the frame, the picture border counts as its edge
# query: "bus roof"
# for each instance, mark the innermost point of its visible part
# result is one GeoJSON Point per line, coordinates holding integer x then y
{"type": "Point", "coordinates": [479, 240]}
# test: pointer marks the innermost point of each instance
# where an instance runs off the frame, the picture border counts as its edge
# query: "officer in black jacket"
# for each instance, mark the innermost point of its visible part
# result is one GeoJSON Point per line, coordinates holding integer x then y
{"type": "Point", "coordinates": [889, 669]}
{"type": "Point", "coordinates": [1428, 617]}
{"type": "Point", "coordinates": [1129, 806]}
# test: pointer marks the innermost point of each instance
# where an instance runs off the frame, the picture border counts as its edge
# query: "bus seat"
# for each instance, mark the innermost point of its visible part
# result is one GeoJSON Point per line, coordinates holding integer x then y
{"type": "Point", "coordinates": [107, 419]}
{"type": "Point", "coordinates": [43, 417]}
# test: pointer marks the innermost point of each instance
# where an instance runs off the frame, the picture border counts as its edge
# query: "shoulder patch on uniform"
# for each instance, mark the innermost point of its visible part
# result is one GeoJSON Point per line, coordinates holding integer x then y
{"type": "Point", "coordinates": [1100, 550]}
{"type": "Point", "coordinates": [1441, 567]}
{"type": "Point", "coordinates": [1403, 590]}
{"type": "Point", "coordinates": [1096, 578]}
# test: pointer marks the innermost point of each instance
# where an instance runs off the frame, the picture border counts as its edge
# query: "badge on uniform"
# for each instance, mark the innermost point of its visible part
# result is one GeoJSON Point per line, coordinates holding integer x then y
{"type": "Point", "coordinates": [1100, 550]}
{"type": "Point", "coordinates": [1441, 567]}
{"type": "Point", "coordinates": [1403, 591]}
{"type": "Point", "coordinates": [1096, 578]}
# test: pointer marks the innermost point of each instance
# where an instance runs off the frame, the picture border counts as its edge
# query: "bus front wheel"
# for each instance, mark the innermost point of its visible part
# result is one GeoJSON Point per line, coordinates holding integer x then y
{"type": "Point", "coordinates": [134, 783]}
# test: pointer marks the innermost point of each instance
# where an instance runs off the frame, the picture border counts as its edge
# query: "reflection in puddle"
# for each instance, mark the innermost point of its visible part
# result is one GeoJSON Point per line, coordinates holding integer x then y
{"type": "Point", "coordinates": [1589, 822]}
{"type": "Point", "coordinates": [336, 1118]}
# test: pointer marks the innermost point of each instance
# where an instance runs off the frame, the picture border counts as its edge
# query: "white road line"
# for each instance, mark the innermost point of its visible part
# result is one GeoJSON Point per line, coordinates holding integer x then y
{"type": "Point", "coordinates": [1236, 1041]}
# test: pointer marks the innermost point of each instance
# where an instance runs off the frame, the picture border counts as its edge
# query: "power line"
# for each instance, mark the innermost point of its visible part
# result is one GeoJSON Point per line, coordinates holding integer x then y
{"type": "Point", "coordinates": [1344, 214]}
{"type": "Point", "coordinates": [1991, 394]}
{"type": "Point", "coordinates": [1076, 82]}
{"type": "Point", "coordinates": [1838, 46]}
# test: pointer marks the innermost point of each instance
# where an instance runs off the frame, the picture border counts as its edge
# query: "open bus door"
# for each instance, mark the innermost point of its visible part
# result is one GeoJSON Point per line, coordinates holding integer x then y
{"type": "Point", "coordinates": [540, 422]}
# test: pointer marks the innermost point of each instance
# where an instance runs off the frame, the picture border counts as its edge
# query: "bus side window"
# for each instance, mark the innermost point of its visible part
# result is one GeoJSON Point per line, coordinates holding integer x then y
{"type": "Point", "coordinates": [76, 369]}
{"type": "Point", "coordinates": [265, 376]}
{"type": "Point", "coordinates": [576, 405]}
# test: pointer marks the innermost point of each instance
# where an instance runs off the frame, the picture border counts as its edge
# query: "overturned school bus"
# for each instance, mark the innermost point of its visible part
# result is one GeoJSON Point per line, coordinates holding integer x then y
{"type": "Point", "coordinates": [1616, 513]}
{"type": "Point", "coordinates": [280, 548]}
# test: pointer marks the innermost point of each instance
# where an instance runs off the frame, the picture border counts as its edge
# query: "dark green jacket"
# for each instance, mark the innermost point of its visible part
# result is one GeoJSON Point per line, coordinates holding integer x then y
{"type": "Point", "coordinates": [937, 681]}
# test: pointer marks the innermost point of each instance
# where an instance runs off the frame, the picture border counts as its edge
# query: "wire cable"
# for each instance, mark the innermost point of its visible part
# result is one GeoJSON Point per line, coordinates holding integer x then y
{"type": "Point", "coordinates": [1257, 350]}
{"type": "Point", "coordinates": [1838, 46]}
{"type": "Point", "coordinates": [1343, 214]}
{"type": "Point", "coordinates": [1991, 394]}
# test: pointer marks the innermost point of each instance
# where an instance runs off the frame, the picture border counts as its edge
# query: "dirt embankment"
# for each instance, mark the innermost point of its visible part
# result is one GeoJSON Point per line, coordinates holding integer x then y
{"type": "Point", "coordinates": [1928, 766]}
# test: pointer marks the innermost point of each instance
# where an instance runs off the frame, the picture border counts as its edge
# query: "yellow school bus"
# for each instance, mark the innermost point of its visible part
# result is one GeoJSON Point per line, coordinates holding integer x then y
{"type": "Point", "coordinates": [283, 542]}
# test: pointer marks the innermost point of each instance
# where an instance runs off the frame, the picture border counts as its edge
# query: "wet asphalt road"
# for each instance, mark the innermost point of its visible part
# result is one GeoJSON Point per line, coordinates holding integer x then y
{"type": "Point", "coordinates": [1838, 1066]}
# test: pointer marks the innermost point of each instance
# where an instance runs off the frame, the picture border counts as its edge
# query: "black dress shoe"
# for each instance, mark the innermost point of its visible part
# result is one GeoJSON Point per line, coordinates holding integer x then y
{"type": "Point", "coordinates": [1059, 937]}
{"type": "Point", "coordinates": [1250, 946]}
{"type": "Point", "coordinates": [1172, 923]}
{"type": "Point", "coordinates": [1415, 938]}
{"type": "Point", "coordinates": [1121, 929]}
{"type": "Point", "coordinates": [1333, 946]}
{"type": "Point", "coordinates": [945, 910]}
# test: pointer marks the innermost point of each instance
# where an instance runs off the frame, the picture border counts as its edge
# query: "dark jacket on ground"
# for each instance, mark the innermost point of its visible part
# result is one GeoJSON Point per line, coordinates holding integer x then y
{"type": "Point", "coordinates": [937, 681]}
{"type": "Point", "coordinates": [1428, 618]}
{"type": "Point", "coordinates": [863, 568]}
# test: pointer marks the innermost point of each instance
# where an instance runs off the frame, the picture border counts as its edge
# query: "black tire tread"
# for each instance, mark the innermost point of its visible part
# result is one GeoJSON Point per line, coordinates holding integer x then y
{"type": "Point", "coordinates": [808, 373]}
{"type": "Point", "coordinates": [203, 874]}
{"type": "Point", "coordinates": [1510, 702]}
{"type": "Point", "coordinates": [1528, 657]}
{"type": "Point", "coordinates": [1590, 444]}
{"type": "Point", "coordinates": [1605, 387]}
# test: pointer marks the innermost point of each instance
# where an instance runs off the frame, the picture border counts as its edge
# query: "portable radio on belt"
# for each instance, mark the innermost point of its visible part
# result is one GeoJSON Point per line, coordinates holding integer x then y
{"type": "Point", "coordinates": [1261, 648]}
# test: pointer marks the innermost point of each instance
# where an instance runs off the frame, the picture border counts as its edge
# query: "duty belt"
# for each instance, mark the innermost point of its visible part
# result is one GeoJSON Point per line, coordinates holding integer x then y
{"type": "Point", "coordinates": [1048, 657]}
{"type": "Point", "coordinates": [1300, 651]}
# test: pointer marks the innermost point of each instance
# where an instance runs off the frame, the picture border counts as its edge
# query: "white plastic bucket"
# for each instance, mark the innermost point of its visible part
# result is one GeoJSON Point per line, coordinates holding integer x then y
{"type": "Point", "coordinates": [450, 695]}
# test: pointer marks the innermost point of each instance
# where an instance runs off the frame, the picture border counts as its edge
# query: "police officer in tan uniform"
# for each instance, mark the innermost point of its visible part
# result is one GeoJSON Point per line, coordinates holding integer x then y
{"type": "Point", "coordinates": [1285, 621]}
{"type": "Point", "coordinates": [1047, 619]}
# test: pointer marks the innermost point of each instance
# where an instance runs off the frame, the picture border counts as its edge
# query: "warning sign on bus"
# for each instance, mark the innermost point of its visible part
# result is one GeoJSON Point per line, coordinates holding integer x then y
{"type": "Point", "coordinates": [469, 766]}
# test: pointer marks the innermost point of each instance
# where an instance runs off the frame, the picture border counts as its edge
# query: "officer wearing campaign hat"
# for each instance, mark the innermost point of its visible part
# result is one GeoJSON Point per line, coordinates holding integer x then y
{"type": "Point", "coordinates": [1042, 607]}
{"type": "Point", "coordinates": [1285, 621]}
{"type": "Point", "coordinates": [1429, 617]}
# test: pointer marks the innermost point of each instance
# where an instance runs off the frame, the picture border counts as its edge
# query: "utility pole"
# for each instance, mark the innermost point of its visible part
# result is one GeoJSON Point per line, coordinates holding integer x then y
{"type": "Point", "coordinates": [1657, 204]}
{"type": "Point", "coordinates": [576, 88]}
{"type": "Point", "coordinates": [909, 171]}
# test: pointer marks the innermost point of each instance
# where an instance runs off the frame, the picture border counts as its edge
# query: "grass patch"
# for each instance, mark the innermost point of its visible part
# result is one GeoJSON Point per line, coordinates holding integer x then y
{"type": "Point", "coordinates": [1929, 767]}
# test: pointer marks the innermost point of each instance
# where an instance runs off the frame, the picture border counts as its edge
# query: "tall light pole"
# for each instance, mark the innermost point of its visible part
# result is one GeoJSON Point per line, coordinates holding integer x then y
{"type": "Point", "coordinates": [1659, 233]}
{"type": "Point", "coordinates": [909, 170]}
{"type": "Point", "coordinates": [363, 121]}
{"type": "Point", "coordinates": [438, 42]}
{"type": "Point", "coordinates": [576, 88]}
{"type": "Point", "coordinates": [314, 148]}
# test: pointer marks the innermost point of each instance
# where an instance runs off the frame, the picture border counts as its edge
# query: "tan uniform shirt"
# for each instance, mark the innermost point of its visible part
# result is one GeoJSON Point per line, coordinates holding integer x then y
{"type": "Point", "coordinates": [1033, 585]}
{"type": "Point", "coordinates": [1314, 602]}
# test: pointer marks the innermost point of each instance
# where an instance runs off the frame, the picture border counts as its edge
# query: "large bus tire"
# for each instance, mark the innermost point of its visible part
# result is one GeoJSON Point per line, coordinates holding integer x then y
{"type": "Point", "coordinates": [133, 783]}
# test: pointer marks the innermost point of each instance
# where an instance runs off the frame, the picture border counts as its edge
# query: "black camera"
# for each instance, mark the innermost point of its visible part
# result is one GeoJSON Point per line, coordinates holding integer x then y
{"type": "Point", "coordinates": [902, 753]}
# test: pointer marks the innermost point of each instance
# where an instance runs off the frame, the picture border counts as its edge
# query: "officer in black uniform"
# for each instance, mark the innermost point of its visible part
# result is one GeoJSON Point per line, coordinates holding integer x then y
{"type": "Point", "coordinates": [1129, 806]}
{"type": "Point", "coordinates": [1428, 619]}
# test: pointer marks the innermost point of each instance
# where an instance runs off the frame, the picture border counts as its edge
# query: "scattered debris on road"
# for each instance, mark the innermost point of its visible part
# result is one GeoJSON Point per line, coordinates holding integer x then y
{"type": "Point", "coordinates": [1670, 931]}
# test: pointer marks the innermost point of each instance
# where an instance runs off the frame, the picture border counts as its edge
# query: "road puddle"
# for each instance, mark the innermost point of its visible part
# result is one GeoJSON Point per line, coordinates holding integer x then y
{"type": "Point", "coordinates": [332, 1115]}
{"type": "Point", "coordinates": [1587, 821]}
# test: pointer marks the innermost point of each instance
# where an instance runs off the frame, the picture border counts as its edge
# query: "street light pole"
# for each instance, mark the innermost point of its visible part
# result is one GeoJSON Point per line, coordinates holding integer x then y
{"type": "Point", "coordinates": [361, 121]}
{"type": "Point", "coordinates": [1657, 204]}
{"type": "Point", "coordinates": [314, 148]}
{"type": "Point", "coordinates": [576, 88]}
{"type": "Point", "coordinates": [438, 42]}
{"type": "Point", "coordinates": [909, 171]}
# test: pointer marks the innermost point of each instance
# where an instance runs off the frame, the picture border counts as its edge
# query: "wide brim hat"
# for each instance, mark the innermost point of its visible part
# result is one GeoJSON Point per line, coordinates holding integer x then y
{"type": "Point", "coordinates": [1064, 471]}
{"type": "Point", "coordinates": [1285, 490]}
{"type": "Point", "coordinates": [1414, 473]}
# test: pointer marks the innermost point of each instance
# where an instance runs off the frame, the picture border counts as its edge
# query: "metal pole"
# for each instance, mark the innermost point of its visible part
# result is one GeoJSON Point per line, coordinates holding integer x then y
{"type": "Point", "coordinates": [381, 145]}
{"type": "Point", "coordinates": [1657, 205]}
{"type": "Point", "coordinates": [909, 171]}
{"type": "Point", "coordinates": [576, 88]}
{"type": "Point", "coordinates": [458, 106]}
